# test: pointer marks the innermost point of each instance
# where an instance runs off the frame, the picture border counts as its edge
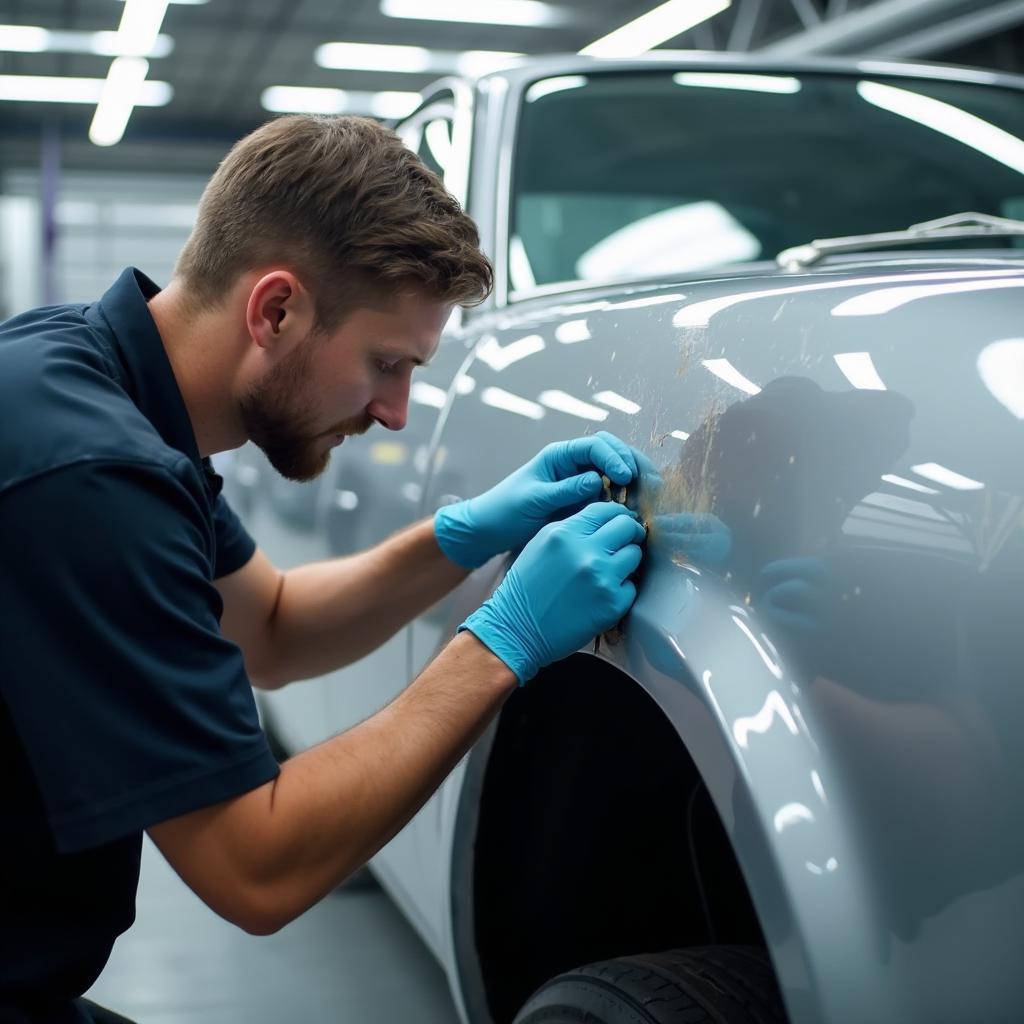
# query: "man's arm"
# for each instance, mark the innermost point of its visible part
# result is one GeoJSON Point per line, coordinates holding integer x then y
{"type": "Point", "coordinates": [313, 619]}
{"type": "Point", "coordinates": [263, 858]}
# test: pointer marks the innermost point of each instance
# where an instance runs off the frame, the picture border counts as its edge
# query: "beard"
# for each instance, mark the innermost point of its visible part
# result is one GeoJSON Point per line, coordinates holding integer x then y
{"type": "Point", "coordinates": [276, 416]}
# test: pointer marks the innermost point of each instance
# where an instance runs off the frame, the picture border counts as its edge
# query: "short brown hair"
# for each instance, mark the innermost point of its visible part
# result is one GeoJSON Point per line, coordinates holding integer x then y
{"type": "Point", "coordinates": [344, 203]}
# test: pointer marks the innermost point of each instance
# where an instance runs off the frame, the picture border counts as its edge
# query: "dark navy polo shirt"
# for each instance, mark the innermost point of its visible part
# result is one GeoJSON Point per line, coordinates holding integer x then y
{"type": "Point", "coordinates": [121, 704]}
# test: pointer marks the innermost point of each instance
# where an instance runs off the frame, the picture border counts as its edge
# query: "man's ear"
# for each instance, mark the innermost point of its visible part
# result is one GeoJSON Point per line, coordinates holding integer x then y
{"type": "Point", "coordinates": [280, 312]}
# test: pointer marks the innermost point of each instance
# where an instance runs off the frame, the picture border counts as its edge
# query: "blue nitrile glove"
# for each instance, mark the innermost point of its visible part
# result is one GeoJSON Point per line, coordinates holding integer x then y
{"type": "Point", "coordinates": [568, 584]}
{"type": "Point", "coordinates": [557, 481]}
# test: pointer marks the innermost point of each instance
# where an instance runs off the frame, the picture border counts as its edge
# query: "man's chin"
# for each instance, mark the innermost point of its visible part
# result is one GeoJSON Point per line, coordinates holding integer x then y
{"type": "Point", "coordinates": [302, 468]}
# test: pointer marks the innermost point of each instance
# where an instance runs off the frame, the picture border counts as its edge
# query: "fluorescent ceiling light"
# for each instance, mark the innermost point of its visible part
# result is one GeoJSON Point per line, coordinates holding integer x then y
{"type": "Point", "coordinates": [409, 59]}
{"type": "Point", "coordinates": [781, 84]}
{"type": "Point", "coordinates": [500, 399]}
{"type": "Point", "coordinates": [665, 22]}
{"type": "Point", "coordinates": [617, 402]}
{"type": "Point", "coordinates": [724, 370]}
{"type": "Point", "coordinates": [46, 89]}
{"type": "Point", "coordinates": [137, 34]}
{"type": "Point", "coordinates": [375, 57]}
{"type": "Point", "coordinates": [117, 100]}
{"type": "Point", "coordinates": [23, 39]}
{"type": "Point", "coordinates": [528, 13]}
{"type": "Point", "coordinates": [139, 27]}
{"type": "Point", "coordinates": [941, 475]}
{"type": "Point", "coordinates": [681, 435]}
{"type": "Point", "coordinates": [572, 331]}
{"type": "Point", "coordinates": [290, 99]}
{"type": "Point", "coordinates": [1001, 368]}
{"type": "Point", "coordinates": [562, 402]}
{"type": "Point", "coordinates": [284, 99]}
{"type": "Point", "coordinates": [499, 357]}
{"type": "Point", "coordinates": [31, 39]}
{"type": "Point", "coordinates": [546, 86]}
{"type": "Point", "coordinates": [859, 370]}
{"type": "Point", "coordinates": [947, 120]}
{"type": "Point", "coordinates": [106, 44]}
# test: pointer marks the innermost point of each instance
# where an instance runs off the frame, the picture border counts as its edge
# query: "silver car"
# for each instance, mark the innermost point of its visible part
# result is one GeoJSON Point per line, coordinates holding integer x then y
{"type": "Point", "coordinates": [785, 788]}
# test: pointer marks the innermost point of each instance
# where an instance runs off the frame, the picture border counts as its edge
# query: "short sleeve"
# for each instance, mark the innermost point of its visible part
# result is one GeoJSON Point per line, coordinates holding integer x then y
{"type": "Point", "coordinates": [131, 706]}
{"type": "Point", "coordinates": [234, 545]}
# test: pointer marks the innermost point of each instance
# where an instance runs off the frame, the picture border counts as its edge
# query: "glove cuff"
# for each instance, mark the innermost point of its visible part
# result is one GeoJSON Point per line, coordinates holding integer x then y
{"type": "Point", "coordinates": [490, 629]}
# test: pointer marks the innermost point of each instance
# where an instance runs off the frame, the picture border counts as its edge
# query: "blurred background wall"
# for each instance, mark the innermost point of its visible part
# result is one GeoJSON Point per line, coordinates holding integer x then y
{"type": "Point", "coordinates": [102, 223]}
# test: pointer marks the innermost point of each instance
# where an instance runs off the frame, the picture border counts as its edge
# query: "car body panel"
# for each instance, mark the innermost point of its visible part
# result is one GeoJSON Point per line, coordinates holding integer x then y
{"type": "Point", "coordinates": [762, 731]}
{"type": "Point", "coordinates": [851, 710]}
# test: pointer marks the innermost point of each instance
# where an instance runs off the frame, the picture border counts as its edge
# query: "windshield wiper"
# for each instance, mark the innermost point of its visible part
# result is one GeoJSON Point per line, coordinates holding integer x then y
{"type": "Point", "coordinates": [959, 225]}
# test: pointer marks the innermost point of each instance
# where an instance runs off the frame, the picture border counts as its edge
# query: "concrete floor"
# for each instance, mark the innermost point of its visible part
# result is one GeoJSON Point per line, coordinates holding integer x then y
{"type": "Point", "coordinates": [352, 958]}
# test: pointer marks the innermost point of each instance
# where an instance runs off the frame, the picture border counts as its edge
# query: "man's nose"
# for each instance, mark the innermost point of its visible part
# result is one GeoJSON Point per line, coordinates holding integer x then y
{"type": "Point", "coordinates": [390, 408]}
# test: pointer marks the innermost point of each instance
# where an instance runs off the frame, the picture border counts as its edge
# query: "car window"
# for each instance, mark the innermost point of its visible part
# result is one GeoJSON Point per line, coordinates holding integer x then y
{"type": "Point", "coordinates": [428, 133]}
{"type": "Point", "coordinates": [628, 175]}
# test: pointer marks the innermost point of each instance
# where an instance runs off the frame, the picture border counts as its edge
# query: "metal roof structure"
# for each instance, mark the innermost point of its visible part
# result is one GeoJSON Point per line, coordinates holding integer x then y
{"type": "Point", "coordinates": [225, 53]}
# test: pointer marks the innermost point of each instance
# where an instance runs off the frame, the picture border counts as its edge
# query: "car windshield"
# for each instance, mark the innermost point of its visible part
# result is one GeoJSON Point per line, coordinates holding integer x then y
{"type": "Point", "coordinates": [640, 174]}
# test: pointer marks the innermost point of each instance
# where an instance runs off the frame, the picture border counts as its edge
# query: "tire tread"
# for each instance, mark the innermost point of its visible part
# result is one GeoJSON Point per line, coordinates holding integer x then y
{"type": "Point", "coordinates": [700, 985]}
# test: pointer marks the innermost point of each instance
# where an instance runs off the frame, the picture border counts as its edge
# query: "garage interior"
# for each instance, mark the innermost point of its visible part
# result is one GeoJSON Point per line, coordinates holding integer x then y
{"type": "Point", "coordinates": [74, 211]}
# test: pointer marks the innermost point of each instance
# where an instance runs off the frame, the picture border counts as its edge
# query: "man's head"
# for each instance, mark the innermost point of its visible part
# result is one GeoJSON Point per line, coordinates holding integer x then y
{"type": "Point", "coordinates": [348, 255]}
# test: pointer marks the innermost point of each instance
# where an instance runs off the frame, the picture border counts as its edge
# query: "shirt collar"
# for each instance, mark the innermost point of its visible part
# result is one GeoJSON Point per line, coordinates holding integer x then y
{"type": "Point", "coordinates": [147, 374]}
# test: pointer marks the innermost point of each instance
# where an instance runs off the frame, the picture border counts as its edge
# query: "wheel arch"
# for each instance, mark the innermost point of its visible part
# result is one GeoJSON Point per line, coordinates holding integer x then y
{"type": "Point", "coordinates": [725, 720]}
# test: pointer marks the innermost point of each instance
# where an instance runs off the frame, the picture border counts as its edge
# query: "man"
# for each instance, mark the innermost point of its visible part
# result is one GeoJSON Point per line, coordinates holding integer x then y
{"type": "Point", "coordinates": [324, 263]}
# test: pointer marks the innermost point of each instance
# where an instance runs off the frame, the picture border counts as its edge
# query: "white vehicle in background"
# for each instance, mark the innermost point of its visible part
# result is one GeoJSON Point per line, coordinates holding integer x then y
{"type": "Point", "coordinates": [792, 789]}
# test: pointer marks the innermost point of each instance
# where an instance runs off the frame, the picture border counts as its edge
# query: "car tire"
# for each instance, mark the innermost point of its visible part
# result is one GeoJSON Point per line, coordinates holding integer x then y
{"type": "Point", "coordinates": [704, 985]}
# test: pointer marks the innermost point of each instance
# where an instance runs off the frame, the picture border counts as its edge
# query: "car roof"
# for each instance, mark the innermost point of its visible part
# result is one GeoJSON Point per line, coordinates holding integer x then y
{"type": "Point", "coordinates": [530, 68]}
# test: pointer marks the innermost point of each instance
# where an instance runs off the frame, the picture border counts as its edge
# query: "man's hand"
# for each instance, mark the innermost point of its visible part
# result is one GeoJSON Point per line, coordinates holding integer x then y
{"type": "Point", "coordinates": [570, 583]}
{"type": "Point", "coordinates": [555, 483]}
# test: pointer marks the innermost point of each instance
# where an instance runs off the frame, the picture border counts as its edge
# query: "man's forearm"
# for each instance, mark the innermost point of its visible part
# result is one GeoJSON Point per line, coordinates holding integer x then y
{"type": "Point", "coordinates": [366, 784]}
{"type": "Point", "coordinates": [332, 613]}
{"type": "Point", "coordinates": [263, 858]}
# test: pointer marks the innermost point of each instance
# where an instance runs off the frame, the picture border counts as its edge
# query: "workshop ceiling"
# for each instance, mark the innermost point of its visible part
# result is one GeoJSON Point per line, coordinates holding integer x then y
{"type": "Point", "coordinates": [226, 52]}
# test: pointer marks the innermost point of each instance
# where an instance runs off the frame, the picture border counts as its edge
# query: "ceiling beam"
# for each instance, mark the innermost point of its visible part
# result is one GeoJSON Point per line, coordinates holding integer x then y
{"type": "Point", "coordinates": [956, 32]}
{"type": "Point", "coordinates": [867, 29]}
